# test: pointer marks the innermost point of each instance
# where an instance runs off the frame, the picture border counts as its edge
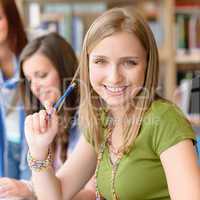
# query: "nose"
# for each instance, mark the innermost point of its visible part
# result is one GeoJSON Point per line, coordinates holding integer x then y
{"type": "Point", "coordinates": [35, 87]}
{"type": "Point", "coordinates": [115, 75]}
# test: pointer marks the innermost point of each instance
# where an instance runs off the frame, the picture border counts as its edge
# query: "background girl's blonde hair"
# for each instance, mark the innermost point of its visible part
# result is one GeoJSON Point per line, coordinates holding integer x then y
{"type": "Point", "coordinates": [111, 22]}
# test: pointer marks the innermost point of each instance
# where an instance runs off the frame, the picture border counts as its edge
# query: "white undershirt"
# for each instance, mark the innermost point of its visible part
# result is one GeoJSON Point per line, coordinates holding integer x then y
{"type": "Point", "coordinates": [12, 122]}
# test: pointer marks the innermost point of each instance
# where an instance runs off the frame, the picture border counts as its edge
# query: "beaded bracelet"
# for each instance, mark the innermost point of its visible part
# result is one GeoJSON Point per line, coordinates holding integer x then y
{"type": "Point", "coordinates": [39, 165]}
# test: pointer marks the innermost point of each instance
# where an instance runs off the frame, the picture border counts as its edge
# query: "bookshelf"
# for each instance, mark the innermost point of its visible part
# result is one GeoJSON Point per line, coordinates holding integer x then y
{"type": "Point", "coordinates": [164, 15]}
{"type": "Point", "coordinates": [188, 48]}
{"type": "Point", "coordinates": [172, 58]}
{"type": "Point", "coordinates": [170, 9]}
{"type": "Point", "coordinates": [188, 34]}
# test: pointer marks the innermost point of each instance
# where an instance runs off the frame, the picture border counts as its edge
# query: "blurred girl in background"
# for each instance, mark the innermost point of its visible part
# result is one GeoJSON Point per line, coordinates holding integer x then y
{"type": "Point", "coordinates": [12, 41]}
{"type": "Point", "coordinates": [48, 64]}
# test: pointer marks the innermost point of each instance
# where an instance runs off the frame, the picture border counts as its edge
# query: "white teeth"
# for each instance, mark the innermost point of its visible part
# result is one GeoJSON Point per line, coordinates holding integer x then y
{"type": "Point", "coordinates": [115, 89]}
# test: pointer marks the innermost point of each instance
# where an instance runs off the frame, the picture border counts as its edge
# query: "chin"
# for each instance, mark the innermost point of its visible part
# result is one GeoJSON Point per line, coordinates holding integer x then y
{"type": "Point", "coordinates": [52, 99]}
{"type": "Point", "coordinates": [116, 103]}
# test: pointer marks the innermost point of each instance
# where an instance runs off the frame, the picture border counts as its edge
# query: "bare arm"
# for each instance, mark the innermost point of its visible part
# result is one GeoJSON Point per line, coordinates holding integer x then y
{"type": "Point", "coordinates": [72, 176]}
{"type": "Point", "coordinates": [40, 130]}
{"type": "Point", "coordinates": [15, 188]}
{"type": "Point", "coordinates": [182, 171]}
{"type": "Point", "coordinates": [77, 171]}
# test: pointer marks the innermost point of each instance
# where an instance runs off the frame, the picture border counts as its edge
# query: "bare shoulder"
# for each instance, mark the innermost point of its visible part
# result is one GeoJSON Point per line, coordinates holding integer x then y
{"type": "Point", "coordinates": [182, 171]}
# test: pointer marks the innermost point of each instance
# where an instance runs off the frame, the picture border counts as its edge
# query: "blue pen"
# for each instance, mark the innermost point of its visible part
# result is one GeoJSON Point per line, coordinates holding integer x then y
{"type": "Point", "coordinates": [57, 106]}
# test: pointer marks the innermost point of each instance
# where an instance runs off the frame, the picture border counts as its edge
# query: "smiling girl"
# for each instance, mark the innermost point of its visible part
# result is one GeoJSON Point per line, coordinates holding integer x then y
{"type": "Point", "coordinates": [139, 145]}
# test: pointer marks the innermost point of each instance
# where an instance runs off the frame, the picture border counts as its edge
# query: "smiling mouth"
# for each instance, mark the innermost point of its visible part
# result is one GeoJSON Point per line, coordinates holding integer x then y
{"type": "Point", "coordinates": [44, 94]}
{"type": "Point", "coordinates": [115, 90]}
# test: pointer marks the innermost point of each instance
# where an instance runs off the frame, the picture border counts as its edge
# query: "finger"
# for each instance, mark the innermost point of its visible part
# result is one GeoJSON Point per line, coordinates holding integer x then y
{"type": "Point", "coordinates": [4, 190]}
{"type": "Point", "coordinates": [54, 121]}
{"type": "Point", "coordinates": [36, 123]}
{"type": "Point", "coordinates": [48, 106]}
{"type": "Point", "coordinates": [6, 180]}
{"type": "Point", "coordinates": [43, 120]}
{"type": "Point", "coordinates": [3, 180]}
{"type": "Point", "coordinates": [28, 125]}
{"type": "Point", "coordinates": [6, 194]}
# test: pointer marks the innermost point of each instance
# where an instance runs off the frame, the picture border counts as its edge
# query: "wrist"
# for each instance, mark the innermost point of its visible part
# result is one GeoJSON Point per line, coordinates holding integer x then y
{"type": "Point", "coordinates": [39, 154]}
{"type": "Point", "coordinates": [39, 165]}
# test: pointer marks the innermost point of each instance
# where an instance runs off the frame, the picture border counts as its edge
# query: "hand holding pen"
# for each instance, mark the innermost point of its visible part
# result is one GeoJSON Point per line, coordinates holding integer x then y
{"type": "Point", "coordinates": [42, 127]}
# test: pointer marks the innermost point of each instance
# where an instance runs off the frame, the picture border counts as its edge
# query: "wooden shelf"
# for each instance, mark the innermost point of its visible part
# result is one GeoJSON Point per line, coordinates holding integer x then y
{"type": "Point", "coordinates": [171, 61]}
{"type": "Point", "coordinates": [162, 54]}
{"type": "Point", "coordinates": [188, 67]}
{"type": "Point", "coordinates": [188, 58]}
{"type": "Point", "coordinates": [187, 2]}
{"type": "Point", "coordinates": [165, 14]}
{"type": "Point", "coordinates": [188, 62]}
{"type": "Point", "coordinates": [81, 1]}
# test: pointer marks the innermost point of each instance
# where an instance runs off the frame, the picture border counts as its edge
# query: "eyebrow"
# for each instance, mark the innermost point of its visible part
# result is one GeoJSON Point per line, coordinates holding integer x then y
{"type": "Point", "coordinates": [99, 56]}
{"type": "Point", "coordinates": [120, 58]}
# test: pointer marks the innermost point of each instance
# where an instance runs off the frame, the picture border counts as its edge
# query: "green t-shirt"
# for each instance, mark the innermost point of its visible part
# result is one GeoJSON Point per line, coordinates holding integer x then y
{"type": "Point", "coordinates": [140, 175]}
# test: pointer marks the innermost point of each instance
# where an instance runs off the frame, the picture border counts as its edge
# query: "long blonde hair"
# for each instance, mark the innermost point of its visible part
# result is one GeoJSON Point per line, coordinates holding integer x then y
{"type": "Point", "coordinates": [111, 22]}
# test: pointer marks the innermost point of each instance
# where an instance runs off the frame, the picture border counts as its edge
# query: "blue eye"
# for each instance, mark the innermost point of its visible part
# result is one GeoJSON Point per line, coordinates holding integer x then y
{"type": "Point", "coordinates": [130, 63]}
{"type": "Point", "coordinates": [99, 61]}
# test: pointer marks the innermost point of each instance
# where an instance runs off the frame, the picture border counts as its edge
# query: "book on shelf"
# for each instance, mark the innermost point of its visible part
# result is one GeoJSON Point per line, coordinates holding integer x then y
{"type": "Point", "coordinates": [187, 4]}
{"type": "Point", "coordinates": [77, 34]}
{"type": "Point", "coordinates": [185, 90]}
{"type": "Point", "coordinates": [188, 28]}
{"type": "Point", "coordinates": [71, 20]}
{"type": "Point", "coordinates": [182, 32]}
{"type": "Point", "coordinates": [52, 22]}
{"type": "Point", "coordinates": [195, 96]}
{"type": "Point", "coordinates": [158, 31]}
{"type": "Point", "coordinates": [63, 12]}
{"type": "Point", "coordinates": [88, 8]}
{"type": "Point", "coordinates": [34, 15]}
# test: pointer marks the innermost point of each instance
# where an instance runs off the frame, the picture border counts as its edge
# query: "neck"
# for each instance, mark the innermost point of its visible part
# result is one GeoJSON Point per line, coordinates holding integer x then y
{"type": "Point", "coordinates": [4, 50]}
{"type": "Point", "coordinates": [6, 65]}
{"type": "Point", "coordinates": [119, 113]}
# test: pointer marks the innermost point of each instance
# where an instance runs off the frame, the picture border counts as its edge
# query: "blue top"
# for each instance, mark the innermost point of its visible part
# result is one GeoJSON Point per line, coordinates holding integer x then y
{"type": "Point", "coordinates": [74, 134]}
{"type": "Point", "coordinates": [11, 84]}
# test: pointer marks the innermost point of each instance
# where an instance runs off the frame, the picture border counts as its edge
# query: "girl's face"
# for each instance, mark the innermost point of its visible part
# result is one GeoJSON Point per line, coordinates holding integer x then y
{"type": "Point", "coordinates": [3, 26]}
{"type": "Point", "coordinates": [117, 68]}
{"type": "Point", "coordinates": [44, 78]}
